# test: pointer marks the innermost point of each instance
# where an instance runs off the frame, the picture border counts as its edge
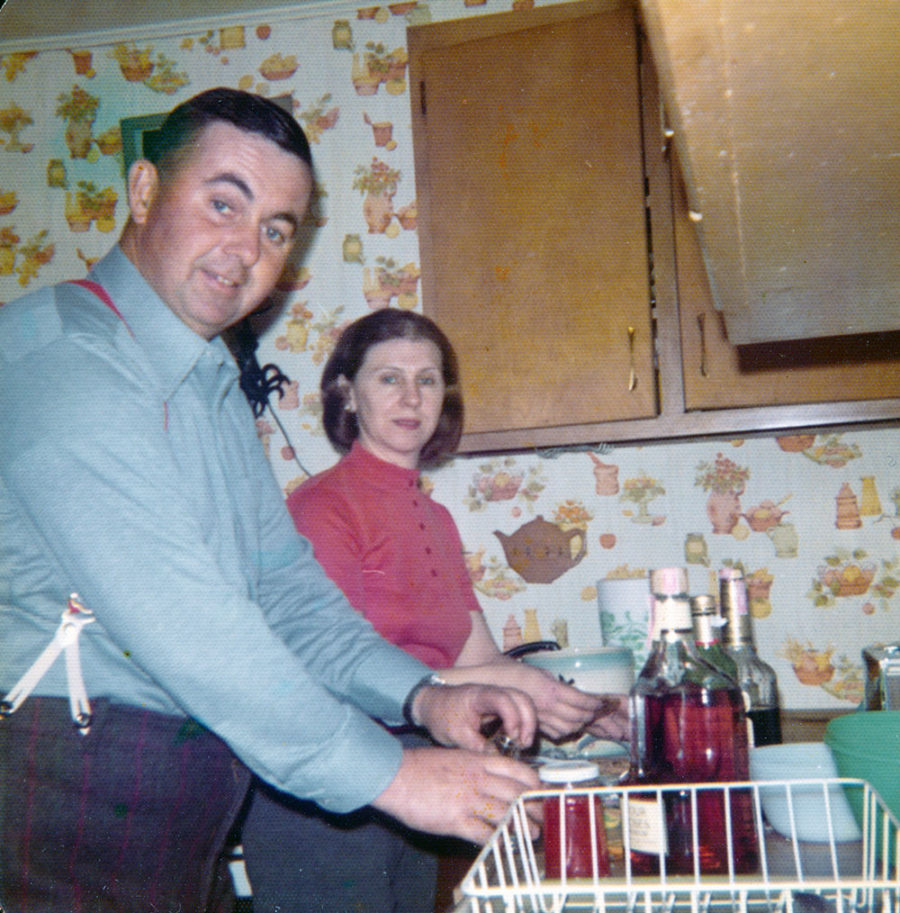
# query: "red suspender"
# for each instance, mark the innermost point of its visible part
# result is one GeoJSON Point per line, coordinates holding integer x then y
{"type": "Point", "coordinates": [102, 294]}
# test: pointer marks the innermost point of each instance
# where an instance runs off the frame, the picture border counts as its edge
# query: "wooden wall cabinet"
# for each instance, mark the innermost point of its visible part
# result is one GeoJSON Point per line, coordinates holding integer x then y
{"type": "Point", "coordinates": [558, 254]}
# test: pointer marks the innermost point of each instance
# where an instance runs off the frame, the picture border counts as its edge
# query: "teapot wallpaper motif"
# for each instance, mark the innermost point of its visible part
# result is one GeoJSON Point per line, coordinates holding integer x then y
{"type": "Point", "coordinates": [813, 519]}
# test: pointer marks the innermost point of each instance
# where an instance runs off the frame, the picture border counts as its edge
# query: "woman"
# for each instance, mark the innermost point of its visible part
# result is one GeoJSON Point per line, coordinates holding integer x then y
{"type": "Point", "coordinates": [392, 404]}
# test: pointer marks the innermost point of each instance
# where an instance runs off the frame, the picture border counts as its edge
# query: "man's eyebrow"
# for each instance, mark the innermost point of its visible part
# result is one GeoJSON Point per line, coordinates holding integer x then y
{"type": "Point", "coordinates": [229, 177]}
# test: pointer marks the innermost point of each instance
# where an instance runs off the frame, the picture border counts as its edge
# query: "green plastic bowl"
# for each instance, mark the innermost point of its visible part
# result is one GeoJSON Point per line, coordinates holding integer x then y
{"type": "Point", "coordinates": [866, 746]}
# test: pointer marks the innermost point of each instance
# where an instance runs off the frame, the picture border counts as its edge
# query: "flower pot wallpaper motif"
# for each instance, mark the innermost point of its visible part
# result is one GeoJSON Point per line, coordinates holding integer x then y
{"type": "Point", "coordinates": [32, 255]}
{"type": "Point", "coordinates": [637, 506]}
{"type": "Point", "coordinates": [13, 120]}
{"type": "Point", "coordinates": [725, 481]}
{"type": "Point", "coordinates": [378, 182]}
{"type": "Point", "coordinates": [79, 108]}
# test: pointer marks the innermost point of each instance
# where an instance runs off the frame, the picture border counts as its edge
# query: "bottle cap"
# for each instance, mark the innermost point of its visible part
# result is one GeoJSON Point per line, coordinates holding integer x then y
{"type": "Point", "coordinates": [704, 605]}
{"type": "Point", "coordinates": [668, 581]}
{"type": "Point", "coordinates": [568, 772]}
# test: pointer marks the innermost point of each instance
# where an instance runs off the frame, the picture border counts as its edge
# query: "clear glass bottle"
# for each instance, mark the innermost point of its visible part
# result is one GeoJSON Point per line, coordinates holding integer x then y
{"type": "Point", "coordinates": [688, 726]}
{"type": "Point", "coordinates": [708, 625]}
{"type": "Point", "coordinates": [756, 678]}
{"type": "Point", "coordinates": [574, 830]}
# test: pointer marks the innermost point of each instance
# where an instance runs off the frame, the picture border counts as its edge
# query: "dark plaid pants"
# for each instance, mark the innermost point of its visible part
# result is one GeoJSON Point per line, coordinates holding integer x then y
{"type": "Point", "coordinates": [129, 818]}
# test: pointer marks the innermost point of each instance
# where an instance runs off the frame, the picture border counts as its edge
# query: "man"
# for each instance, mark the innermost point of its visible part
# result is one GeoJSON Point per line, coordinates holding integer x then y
{"type": "Point", "coordinates": [130, 474]}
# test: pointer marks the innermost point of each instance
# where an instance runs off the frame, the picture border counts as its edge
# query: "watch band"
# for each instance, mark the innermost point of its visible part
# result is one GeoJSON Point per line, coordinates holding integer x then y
{"type": "Point", "coordinates": [429, 681]}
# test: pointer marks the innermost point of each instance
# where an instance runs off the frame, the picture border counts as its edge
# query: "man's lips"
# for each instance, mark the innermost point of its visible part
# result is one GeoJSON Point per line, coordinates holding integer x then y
{"type": "Point", "coordinates": [223, 280]}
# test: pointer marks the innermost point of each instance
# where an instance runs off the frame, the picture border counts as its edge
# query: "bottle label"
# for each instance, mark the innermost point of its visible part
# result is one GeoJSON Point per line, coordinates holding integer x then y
{"type": "Point", "coordinates": [646, 826]}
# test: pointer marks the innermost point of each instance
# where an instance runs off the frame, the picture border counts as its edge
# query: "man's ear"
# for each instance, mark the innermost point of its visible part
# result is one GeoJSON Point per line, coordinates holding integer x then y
{"type": "Point", "coordinates": [143, 185]}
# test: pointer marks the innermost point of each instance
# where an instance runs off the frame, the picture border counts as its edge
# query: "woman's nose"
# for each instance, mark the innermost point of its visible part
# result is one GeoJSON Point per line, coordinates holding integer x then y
{"type": "Point", "coordinates": [411, 393]}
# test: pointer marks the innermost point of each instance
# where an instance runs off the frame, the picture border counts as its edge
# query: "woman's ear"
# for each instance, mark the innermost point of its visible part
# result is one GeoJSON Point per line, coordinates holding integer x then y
{"type": "Point", "coordinates": [346, 389]}
{"type": "Point", "coordinates": [143, 185]}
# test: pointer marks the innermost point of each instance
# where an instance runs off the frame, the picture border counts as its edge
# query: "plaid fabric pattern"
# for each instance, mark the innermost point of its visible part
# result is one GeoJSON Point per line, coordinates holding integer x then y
{"type": "Point", "coordinates": [129, 818]}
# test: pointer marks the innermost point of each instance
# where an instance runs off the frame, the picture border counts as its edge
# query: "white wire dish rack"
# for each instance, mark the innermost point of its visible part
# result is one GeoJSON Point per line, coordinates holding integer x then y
{"type": "Point", "coordinates": [784, 874]}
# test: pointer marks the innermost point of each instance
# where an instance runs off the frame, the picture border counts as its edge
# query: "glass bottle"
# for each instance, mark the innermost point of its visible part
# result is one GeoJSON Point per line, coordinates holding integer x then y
{"type": "Point", "coordinates": [688, 726]}
{"type": "Point", "coordinates": [664, 583]}
{"type": "Point", "coordinates": [574, 829]}
{"type": "Point", "coordinates": [756, 678]}
{"type": "Point", "coordinates": [708, 625]}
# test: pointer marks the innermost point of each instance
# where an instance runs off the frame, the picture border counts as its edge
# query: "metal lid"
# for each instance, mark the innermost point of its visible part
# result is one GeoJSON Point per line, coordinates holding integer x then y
{"type": "Point", "coordinates": [704, 604]}
{"type": "Point", "coordinates": [568, 771]}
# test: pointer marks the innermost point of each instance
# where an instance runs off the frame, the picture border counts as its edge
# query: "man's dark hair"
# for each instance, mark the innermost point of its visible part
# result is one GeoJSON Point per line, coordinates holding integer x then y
{"type": "Point", "coordinates": [246, 111]}
{"type": "Point", "coordinates": [345, 361]}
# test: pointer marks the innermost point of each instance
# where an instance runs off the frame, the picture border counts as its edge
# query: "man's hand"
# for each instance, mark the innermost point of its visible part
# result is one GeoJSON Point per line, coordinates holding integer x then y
{"type": "Point", "coordinates": [455, 715]}
{"type": "Point", "coordinates": [455, 792]}
{"type": "Point", "coordinates": [562, 710]}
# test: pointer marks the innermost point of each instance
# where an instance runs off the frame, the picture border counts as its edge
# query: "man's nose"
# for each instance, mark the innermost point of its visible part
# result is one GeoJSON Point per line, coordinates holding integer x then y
{"type": "Point", "coordinates": [244, 242]}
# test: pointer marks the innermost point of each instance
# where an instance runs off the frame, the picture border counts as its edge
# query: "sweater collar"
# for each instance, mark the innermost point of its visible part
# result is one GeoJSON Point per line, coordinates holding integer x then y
{"type": "Point", "coordinates": [379, 472]}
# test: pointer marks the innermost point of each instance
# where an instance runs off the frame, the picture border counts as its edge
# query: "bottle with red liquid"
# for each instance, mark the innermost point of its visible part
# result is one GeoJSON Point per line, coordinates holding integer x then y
{"type": "Point", "coordinates": [574, 829]}
{"type": "Point", "coordinates": [688, 726]}
{"type": "Point", "coordinates": [756, 678]}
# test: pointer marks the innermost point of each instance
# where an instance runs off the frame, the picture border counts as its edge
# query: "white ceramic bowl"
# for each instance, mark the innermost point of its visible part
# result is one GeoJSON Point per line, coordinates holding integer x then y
{"type": "Point", "coordinates": [602, 670]}
{"type": "Point", "coordinates": [805, 761]}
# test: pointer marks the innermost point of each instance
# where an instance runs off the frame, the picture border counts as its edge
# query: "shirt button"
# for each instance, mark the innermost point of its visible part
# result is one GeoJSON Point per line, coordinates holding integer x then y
{"type": "Point", "coordinates": [422, 526]}
{"type": "Point", "coordinates": [434, 573]}
{"type": "Point", "coordinates": [427, 549]}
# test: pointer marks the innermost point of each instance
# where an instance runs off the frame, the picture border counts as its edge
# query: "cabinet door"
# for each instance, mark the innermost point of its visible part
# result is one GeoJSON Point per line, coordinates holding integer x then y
{"type": "Point", "coordinates": [719, 375]}
{"type": "Point", "coordinates": [532, 218]}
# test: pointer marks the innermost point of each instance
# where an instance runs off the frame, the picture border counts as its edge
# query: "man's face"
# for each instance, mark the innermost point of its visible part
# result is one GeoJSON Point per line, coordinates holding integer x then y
{"type": "Point", "coordinates": [214, 237]}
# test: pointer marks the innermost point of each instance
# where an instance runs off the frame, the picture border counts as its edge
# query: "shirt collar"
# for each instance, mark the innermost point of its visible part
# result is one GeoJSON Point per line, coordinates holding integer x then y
{"type": "Point", "coordinates": [172, 348]}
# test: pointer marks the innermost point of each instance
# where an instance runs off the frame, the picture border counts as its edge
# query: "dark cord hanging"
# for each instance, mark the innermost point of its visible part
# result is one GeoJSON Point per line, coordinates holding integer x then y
{"type": "Point", "coordinates": [258, 382]}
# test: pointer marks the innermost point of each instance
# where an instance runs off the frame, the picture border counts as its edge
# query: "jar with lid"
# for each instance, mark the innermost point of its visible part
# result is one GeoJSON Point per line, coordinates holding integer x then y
{"type": "Point", "coordinates": [574, 830]}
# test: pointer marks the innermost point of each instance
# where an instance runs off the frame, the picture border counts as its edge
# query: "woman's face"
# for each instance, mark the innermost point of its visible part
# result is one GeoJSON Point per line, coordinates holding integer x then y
{"type": "Point", "coordinates": [398, 395]}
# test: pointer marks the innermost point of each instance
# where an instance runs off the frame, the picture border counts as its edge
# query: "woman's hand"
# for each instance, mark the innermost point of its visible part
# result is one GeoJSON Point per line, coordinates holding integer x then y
{"type": "Point", "coordinates": [562, 710]}
{"type": "Point", "coordinates": [614, 722]}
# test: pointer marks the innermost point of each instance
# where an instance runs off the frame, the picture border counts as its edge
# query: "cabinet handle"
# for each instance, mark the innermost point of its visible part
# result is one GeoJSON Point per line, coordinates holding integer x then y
{"type": "Point", "coordinates": [701, 326]}
{"type": "Point", "coordinates": [632, 374]}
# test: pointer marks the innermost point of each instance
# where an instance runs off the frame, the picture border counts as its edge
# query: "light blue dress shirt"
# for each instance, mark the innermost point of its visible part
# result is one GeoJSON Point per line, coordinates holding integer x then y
{"type": "Point", "coordinates": [131, 473]}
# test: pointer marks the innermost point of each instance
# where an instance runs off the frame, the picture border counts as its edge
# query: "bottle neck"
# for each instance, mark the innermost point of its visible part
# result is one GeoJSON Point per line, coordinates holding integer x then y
{"type": "Point", "coordinates": [707, 630]}
{"type": "Point", "coordinates": [670, 614]}
{"type": "Point", "coordinates": [738, 632]}
{"type": "Point", "coordinates": [733, 599]}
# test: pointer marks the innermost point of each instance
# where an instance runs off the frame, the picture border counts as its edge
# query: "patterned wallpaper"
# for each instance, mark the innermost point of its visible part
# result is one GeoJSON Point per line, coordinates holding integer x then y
{"type": "Point", "coordinates": [814, 520]}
